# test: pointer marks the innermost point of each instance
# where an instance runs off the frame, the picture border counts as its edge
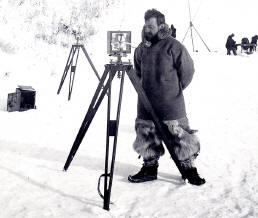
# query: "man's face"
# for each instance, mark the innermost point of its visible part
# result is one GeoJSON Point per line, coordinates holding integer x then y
{"type": "Point", "coordinates": [151, 28]}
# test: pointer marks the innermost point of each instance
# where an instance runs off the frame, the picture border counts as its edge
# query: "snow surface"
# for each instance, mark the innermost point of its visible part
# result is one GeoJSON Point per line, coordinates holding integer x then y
{"type": "Point", "coordinates": [221, 102]}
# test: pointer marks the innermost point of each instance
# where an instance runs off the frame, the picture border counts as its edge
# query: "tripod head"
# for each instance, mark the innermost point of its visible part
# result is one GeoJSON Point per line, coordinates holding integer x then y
{"type": "Point", "coordinates": [118, 59]}
{"type": "Point", "coordinates": [120, 63]}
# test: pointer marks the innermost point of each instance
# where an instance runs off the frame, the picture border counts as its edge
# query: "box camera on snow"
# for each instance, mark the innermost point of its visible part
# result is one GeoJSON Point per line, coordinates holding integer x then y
{"type": "Point", "coordinates": [21, 100]}
{"type": "Point", "coordinates": [118, 43]}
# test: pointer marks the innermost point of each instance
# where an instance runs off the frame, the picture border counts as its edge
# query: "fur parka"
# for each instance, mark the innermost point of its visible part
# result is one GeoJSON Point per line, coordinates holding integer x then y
{"type": "Point", "coordinates": [165, 68]}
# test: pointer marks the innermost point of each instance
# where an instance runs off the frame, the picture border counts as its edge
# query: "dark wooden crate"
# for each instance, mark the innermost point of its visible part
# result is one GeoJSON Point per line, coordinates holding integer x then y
{"type": "Point", "coordinates": [23, 99]}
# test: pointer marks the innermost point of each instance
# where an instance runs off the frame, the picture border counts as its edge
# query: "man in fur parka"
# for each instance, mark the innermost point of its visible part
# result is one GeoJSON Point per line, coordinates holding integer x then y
{"type": "Point", "coordinates": [231, 45]}
{"type": "Point", "coordinates": [165, 69]}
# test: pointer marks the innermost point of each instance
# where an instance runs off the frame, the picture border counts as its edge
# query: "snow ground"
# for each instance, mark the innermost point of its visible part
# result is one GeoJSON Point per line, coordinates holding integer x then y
{"type": "Point", "coordinates": [221, 103]}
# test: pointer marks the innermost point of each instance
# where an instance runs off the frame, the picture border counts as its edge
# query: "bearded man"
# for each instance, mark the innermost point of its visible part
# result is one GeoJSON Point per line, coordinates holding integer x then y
{"type": "Point", "coordinates": [165, 69]}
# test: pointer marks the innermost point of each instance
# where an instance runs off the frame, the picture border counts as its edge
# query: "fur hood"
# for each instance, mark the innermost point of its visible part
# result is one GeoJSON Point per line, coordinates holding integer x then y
{"type": "Point", "coordinates": [163, 33]}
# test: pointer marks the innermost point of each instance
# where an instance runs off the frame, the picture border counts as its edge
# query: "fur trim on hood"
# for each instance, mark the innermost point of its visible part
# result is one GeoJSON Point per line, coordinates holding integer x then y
{"type": "Point", "coordinates": [163, 33]}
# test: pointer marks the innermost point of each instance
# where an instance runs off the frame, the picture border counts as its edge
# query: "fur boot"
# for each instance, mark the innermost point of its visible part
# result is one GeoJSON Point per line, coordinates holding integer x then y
{"type": "Point", "coordinates": [147, 173]}
{"type": "Point", "coordinates": [192, 176]}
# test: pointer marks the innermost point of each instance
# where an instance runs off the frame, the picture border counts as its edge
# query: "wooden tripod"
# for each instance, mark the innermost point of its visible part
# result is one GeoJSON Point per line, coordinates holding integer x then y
{"type": "Point", "coordinates": [71, 64]}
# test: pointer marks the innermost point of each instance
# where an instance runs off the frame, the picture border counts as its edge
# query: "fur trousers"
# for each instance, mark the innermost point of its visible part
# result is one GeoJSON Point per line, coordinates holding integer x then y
{"type": "Point", "coordinates": [148, 143]}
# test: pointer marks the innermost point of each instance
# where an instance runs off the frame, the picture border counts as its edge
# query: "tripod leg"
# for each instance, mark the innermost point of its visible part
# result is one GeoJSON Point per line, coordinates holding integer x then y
{"type": "Point", "coordinates": [164, 132]}
{"type": "Point", "coordinates": [107, 191]}
{"type": "Point", "coordinates": [91, 64]}
{"type": "Point", "coordinates": [95, 103]}
{"type": "Point", "coordinates": [186, 34]}
{"type": "Point", "coordinates": [72, 74]}
{"type": "Point", "coordinates": [192, 36]}
{"type": "Point", "coordinates": [106, 194]}
{"type": "Point", "coordinates": [67, 66]}
{"type": "Point", "coordinates": [201, 38]}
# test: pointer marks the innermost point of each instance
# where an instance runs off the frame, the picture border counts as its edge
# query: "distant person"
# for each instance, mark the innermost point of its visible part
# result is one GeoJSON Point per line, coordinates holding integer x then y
{"type": "Point", "coordinates": [165, 69]}
{"type": "Point", "coordinates": [231, 45]}
{"type": "Point", "coordinates": [253, 43]}
{"type": "Point", "coordinates": [173, 29]}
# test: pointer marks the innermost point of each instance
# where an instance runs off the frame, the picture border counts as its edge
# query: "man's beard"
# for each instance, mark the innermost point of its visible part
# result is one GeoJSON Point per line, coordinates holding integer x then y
{"type": "Point", "coordinates": [150, 37]}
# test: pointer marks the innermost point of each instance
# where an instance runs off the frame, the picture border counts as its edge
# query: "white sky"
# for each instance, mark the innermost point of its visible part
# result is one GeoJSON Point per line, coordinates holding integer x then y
{"type": "Point", "coordinates": [213, 19]}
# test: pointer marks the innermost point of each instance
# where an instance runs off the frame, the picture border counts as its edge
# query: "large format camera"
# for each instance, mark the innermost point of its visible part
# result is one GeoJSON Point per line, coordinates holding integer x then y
{"type": "Point", "coordinates": [119, 43]}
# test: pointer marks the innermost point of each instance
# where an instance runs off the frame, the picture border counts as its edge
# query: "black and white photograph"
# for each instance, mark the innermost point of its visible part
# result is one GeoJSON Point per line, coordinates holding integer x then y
{"type": "Point", "coordinates": [128, 109]}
